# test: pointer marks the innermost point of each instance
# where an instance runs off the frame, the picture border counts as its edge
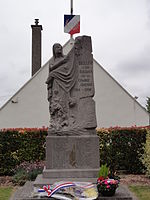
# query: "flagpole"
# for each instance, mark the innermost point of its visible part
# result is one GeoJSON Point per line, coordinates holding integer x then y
{"type": "Point", "coordinates": [71, 12]}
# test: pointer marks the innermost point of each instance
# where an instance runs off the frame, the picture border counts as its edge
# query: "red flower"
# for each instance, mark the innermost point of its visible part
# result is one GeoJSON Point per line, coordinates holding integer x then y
{"type": "Point", "coordinates": [101, 178]}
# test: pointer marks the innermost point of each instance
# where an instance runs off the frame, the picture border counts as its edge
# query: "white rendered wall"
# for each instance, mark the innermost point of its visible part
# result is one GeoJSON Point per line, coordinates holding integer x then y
{"type": "Point", "coordinates": [32, 107]}
{"type": "Point", "coordinates": [114, 106]}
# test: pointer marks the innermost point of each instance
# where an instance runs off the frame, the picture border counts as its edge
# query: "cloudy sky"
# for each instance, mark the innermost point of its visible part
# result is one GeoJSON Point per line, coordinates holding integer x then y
{"type": "Point", "coordinates": [120, 31]}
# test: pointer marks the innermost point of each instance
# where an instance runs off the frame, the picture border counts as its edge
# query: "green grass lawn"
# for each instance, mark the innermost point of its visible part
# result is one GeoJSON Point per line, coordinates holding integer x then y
{"type": "Point", "coordinates": [5, 193]}
{"type": "Point", "coordinates": [142, 192]}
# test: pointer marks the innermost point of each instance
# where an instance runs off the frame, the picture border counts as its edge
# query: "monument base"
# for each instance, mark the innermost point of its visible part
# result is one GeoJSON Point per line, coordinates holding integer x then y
{"type": "Point", "coordinates": [40, 180]}
{"type": "Point", "coordinates": [26, 193]}
{"type": "Point", "coordinates": [70, 158]}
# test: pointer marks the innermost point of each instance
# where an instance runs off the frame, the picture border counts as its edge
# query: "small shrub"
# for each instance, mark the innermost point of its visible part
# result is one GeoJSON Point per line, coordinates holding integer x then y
{"type": "Point", "coordinates": [33, 174]}
{"type": "Point", "coordinates": [27, 171]}
{"type": "Point", "coordinates": [20, 177]}
{"type": "Point", "coordinates": [30, 166]}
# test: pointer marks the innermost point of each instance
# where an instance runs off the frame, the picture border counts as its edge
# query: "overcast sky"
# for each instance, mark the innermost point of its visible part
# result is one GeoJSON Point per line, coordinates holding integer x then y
{"type": "Point", "coordinates": [120, 31]}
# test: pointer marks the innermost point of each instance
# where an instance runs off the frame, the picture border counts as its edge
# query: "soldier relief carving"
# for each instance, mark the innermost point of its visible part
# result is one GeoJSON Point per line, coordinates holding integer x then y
{"type": "Point", "coordinates": [71, 89]}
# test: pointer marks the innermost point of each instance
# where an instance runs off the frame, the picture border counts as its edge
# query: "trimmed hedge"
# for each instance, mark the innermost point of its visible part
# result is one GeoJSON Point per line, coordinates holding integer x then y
{"type": "Point", "coordinates": [121, 148]}
{"type": "Point", "coordinates": [18, 145]}
{"type": "Point", "coordinates": [145, 158]}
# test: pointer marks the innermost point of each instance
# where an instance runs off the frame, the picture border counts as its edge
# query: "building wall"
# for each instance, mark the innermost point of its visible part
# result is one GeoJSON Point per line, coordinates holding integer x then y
{"type": "Point", "coordinates": [114, 106]}
{"type": "Point", "coordinates": [32, 107]}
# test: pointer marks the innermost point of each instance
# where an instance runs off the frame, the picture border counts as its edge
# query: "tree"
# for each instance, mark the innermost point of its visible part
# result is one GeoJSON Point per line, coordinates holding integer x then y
{"type": "Point", "coordinates": [148, 104]}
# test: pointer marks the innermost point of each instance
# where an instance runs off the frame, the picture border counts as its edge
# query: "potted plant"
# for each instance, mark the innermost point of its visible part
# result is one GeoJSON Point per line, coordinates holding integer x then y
{"type": "Point", "coordinates": [106, 184]}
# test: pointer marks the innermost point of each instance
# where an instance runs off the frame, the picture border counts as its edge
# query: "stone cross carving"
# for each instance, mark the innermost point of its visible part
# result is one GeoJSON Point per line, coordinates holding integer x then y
{"type": "Point", "coordinates": [71, 89]}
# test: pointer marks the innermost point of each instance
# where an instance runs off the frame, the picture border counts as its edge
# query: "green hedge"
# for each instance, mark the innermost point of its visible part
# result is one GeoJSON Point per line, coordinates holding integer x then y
{"type": "Point", "coordinates": [121, 148]}
{"type": "Point", "coordinates": [145, 158]}
{"type": "Point", "coordinates": [18, 145]}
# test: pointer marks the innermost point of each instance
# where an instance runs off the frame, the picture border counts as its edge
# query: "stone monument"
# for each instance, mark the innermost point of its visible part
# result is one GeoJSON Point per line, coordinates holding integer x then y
{"type": "Point", "coordinates": [72, 146]}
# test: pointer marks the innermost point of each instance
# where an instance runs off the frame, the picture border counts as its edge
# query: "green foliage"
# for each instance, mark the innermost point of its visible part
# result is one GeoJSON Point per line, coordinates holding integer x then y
{"type": "Point", "coordinates": [104, 171]}
{"type": "Point", "coordinates": [27, 171]}
{"type": "Point", "coordinates": [20, 177]}
{"type": "Point", "coordinates": [120, 148]}
{"type": "Point", "coordinates": [19, 145]}
{"type": "Point", "coordinates": [33, 174]}
{"type": "Point", "coordinates": [146, 156]}
{"type": "Point", "coordinates": [148, 104]}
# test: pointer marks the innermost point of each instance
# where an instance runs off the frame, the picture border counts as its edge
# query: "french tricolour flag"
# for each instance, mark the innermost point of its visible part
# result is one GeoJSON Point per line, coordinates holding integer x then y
{"type": "Point", "coordinates": [72, 24]}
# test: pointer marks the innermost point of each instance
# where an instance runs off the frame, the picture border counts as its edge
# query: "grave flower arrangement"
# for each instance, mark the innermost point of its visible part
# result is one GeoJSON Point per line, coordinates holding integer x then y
{"type": "Point", "coordinates": [106, 185]}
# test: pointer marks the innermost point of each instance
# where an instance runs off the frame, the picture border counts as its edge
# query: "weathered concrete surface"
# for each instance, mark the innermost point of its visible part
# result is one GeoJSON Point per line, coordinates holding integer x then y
{"type": "Point", "coordinates": [70, 157]}
{"type": "Point", "coordinates": [72, 152]}
{"type": "Point", "coordinates": [25, 192]}
{"type": "Point", "coordinates": [40, 181]}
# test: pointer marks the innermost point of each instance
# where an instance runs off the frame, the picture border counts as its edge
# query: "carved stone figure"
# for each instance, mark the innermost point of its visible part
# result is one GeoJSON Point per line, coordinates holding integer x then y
{"type": "Point", "coordinates": [72, 140]}
{"type": "Point", "coordinates": [71, 88]}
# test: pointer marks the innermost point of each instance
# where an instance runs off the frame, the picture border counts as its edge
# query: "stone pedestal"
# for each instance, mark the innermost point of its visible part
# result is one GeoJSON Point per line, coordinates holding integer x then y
{"type": "Point", "coordinates": [73, 158]}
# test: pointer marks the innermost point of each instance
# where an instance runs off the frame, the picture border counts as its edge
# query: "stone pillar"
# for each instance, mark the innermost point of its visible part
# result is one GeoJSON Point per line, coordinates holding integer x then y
{"type": "Point", "coordinates": [36, 46]}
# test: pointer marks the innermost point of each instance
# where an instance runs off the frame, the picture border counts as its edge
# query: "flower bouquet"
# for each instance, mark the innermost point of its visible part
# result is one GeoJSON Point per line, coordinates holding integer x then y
{"type": "Point", "coordinates": [106, 186]}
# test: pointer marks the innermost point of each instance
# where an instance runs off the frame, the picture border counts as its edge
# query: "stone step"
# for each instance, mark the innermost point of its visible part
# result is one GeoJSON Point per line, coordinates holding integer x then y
{"type": "Point", "coordinates": [24, 193]}
{"type": "Point", "coordinates": [40, 181]}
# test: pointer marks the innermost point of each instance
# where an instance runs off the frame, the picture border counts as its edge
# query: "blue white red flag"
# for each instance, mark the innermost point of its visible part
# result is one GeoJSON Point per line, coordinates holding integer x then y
{"type": "Point", "coordinates": [72, 24]}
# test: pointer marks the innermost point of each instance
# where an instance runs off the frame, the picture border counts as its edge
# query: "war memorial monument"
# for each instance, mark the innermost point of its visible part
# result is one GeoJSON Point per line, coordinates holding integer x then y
{"type": "Point", "coordinates": [72, 146]}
